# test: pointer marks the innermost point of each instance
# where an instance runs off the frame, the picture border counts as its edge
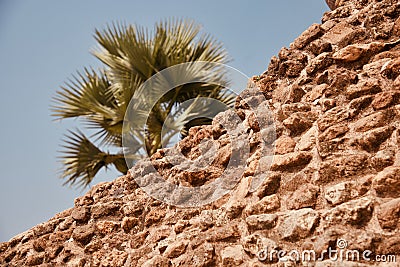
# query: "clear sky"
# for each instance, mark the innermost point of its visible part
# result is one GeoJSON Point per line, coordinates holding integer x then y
{"type": "Point", "coordinates": [43, 42]}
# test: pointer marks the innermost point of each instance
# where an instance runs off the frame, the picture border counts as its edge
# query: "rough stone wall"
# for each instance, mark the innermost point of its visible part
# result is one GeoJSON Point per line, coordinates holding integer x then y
{"type": "Point", "coordinates": [334, 182]}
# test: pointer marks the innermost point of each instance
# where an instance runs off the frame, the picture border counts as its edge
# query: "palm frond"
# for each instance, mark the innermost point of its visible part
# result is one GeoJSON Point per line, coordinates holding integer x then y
{"type": "Point", "coordinates": [83, 95]}
{"type": "Point", "coordinates": [82, 159]}
{"type": "Point", "coordinates": [89, 97]}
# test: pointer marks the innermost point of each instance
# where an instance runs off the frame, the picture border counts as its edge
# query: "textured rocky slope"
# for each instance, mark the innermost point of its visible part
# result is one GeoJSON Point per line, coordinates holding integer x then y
{"type": "Point", "coordinates": [334, 182]}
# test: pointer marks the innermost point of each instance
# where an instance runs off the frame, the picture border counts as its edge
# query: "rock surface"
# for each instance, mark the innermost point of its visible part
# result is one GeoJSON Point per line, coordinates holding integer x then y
{"type": "Point", "coordinates": [334, 182]}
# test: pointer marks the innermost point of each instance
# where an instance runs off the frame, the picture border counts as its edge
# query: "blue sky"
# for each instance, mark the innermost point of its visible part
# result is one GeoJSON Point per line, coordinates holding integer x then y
{"type": "Point", "coordinates": [43, 42]}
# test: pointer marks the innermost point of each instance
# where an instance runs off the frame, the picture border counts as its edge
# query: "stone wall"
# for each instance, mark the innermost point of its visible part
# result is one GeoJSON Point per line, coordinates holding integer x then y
{"type": "Point", "coordinates": [334, 182]}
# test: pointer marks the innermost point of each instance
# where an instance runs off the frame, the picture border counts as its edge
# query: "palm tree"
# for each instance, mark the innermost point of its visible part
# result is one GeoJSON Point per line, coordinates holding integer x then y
{"type": "Point", "coordinates": [131, 55]}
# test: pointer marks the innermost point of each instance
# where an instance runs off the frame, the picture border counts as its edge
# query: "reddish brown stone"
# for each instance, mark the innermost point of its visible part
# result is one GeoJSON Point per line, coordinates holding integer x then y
{"type": "Point", "coordinates": [383, 159]}
{"type": "Point", "coordinates": [389, 214]}
{"type": "Point", "coordinates": [203, 256]}
{"type": "Point", "coordinates": [333, 132]}
{"type": "Point", "coordinates": [290, 161]}
{"type": "Point", "coordinates": [232, 256]}
{"type": "Point", "coordinates": [357, 212]}
{"type": "Point", "coordinates": [35, 259]}
{"type": "Point", "coordinates": [331, 4]}
{"type": "Point", "coordinates": [107, 227]}
{"type": "Point", "coordinates": [319, 46]}
{"type": "Point", "coordinates": [284, 145]}
{"type": "Point", "coordinates": [312, 33]}
{"type": "Point", "coordinates": [261, 221]}
{"type": "Point", "coordinates": [176, 249]}
{"type": "Point", "coordinates": [304, 197]}
{"type": "Point", "coordinates": [342, 34]}
{"type": "Point", "coordinates": [269, 186]}
{"type": "Point", "coordinates": [154, 216]}
{"type": "Point", "coordinates": [371, 140]}
{"type": "Point", "coordinates": [298, 224]}
{"type": "Point", "coordinates": [375, 120]}
{"type": "Point", "coordinates": [80, 214]}
{"type": "Point", "coordinates": [158, 261]}
{"type": "Point", "coordinates": [298, 123]}
{"type": "Point", "coordinates": [342, 167]}
{"type": "Point", "coordinates": [265, 205]}
{"type": "Point", "coordinates": [103, 209]}
{"type": "Point", "coordinates": [387, 182]}
{"type": "Point", "coordinates": [322, 61]}
{"type": "Point", "coordinates": [332, 117]}
{"type": "Point", "coordinates": [392, 70]}
{"type": "Point", "coordinates": [367, 87]}
{"type": "Point", "coordinates": [385, 99]}
{"type": "Point", "coordinates": [83, 234]}
{"type": "Point", "coordinates": [390, 247]}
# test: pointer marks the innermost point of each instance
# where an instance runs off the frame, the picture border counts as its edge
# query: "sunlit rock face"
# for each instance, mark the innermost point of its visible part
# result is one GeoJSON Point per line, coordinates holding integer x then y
{"type": "Point", "coordinates": [332, 184]}
{"type": "Point", "coordinates": [331, 4]}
